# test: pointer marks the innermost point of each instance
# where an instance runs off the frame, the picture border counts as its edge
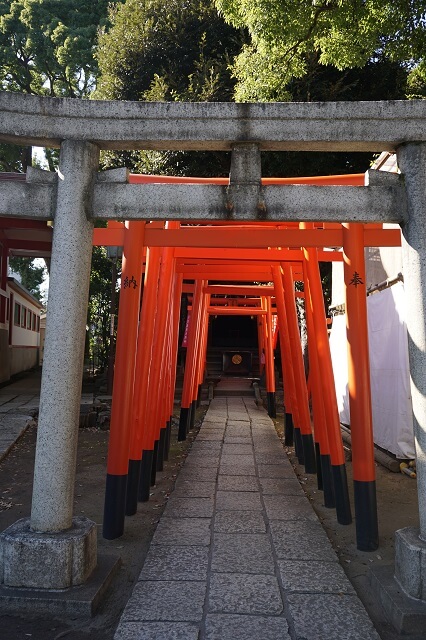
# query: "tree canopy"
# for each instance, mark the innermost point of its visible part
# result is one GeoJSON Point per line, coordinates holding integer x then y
{"type": "Point", "coordinates": [166, 50]}
{"type": "Point", "coordinates": [342, 33]}
{"type": "Point", "coordinates": [32, 276]}
{"type": "Point", "coordinates": [46, 46]}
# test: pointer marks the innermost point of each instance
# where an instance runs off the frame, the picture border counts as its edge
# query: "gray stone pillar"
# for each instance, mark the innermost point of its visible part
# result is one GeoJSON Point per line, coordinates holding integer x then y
{"type": "Point", "coordinates": [410, 552]}
{"type": "Point", "coordinates": [53, 491]}
{"type": "Point", "coordinates": [53, 550]}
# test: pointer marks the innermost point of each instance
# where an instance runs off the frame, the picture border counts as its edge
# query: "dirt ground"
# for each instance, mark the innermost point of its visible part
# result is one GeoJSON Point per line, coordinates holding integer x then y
{"type": "Point", "coordinates": [397, 507]}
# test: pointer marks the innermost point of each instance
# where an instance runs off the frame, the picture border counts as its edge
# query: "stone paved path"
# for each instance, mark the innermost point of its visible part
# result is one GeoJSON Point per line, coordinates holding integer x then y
{"type": "Point", "coordinates": [239, 554]}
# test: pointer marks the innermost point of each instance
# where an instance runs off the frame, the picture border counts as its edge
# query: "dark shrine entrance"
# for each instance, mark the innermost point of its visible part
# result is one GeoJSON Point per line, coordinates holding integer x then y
{"type": "Point", "coordinates": [234, 345]}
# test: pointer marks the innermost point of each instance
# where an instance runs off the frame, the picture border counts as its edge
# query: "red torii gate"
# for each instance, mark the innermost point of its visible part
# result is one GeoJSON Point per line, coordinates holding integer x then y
{"type": "Point", "coordinates": [146, 361]}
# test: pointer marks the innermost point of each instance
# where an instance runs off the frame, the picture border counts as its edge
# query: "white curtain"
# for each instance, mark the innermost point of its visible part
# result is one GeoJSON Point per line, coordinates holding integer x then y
{"type": "Point", "coordinates": [389, 371]}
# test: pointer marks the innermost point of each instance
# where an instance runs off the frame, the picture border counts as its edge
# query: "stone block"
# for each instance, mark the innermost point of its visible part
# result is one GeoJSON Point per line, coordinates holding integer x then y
{"type": "Point", "coordinates": [237, 470]}
{"type": "Point", "coordinates": [406, 614]}
{"type": "Point", "coordinates": [410, 562]}
{"type": "Point", "coordinates": [246, 594]}
{"type": "Point", "coordinates": [288, 508]}
{"type": "Point", "coordinates": [280, 470]}
{"type": "Point", "coordinates": [238, 501]}
{"type": "Point", "coordinates": [189, 507]}
{"type": "Point", "coordinates": [157, 631]}
{"type": "Point", "coordinates": [237, 449]}
{"type": "Point", "coordinates": [270, 458]}
{"type": "Point", "coordinates": [335, 617]}
{"type": "Point", "coordinates": [242, 553]}
{"type": "Point", "coordinates": [239, 522]}
{"type": "Point", "coordinates": [166, 601]}
{"type": "Point", "coordinates": [314, 577]}
{"type": "Point", "coordinates": [237, 460]}
{"type": "Point", "coordinates": [195, 473]}
{"type": "Point", "coordinates": [237, 439]}
{"type": "Point", "coordinates": [237, 483]}
{"type": "Point", "coordinates": [47, 560]}
{"type": "Point", "coordinates": [191, 489]}
{"type": "Point", "coordinates": [245, 627]}
{"type": "Point", "coordinates": [301, 540]}
{"type": "Point", "coordinates": [183, 531]}
{"type": "Point", "coordinates": [173, 562]}
{"type": "Point", "coordinates": [281, 486]}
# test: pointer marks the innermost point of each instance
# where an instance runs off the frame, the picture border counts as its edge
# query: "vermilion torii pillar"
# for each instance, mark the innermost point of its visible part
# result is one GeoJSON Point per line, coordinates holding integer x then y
{"type": "Point", "coordinates": [363, 465]}
{"type": "Point", "coordinates": [123, 397]}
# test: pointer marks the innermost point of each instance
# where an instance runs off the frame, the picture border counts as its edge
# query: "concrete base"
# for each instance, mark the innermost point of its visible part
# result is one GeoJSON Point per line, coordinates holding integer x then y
{"type": "Point", "coordinates": [76, 601]}
{"type": "Point", "coordinates": [406, 614]}
{"type": "Point", "coordinates": [47, 560]}
{"type": "Point", "coordinates": [410, 562]}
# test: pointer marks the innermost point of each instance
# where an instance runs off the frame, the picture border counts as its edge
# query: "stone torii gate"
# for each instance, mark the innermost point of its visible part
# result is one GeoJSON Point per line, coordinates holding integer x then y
{"type": "Point", "coordinates": [78, 195]}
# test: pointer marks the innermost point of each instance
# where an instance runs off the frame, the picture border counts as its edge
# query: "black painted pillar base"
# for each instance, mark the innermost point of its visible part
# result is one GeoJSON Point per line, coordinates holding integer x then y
{"type": "Point", "coordinates": [183, 423]}
{"type": "Point", "coordinates": [343, 506]}
{"type": "Point", "coordinates": [192, 414]}
{"type": "Point", "coordinates": [132, 487]}
{"type": "Point", "coordinates": [115, 506]}
{"type": "Point", "coordinates": [319, 469]}
{"type": "Point", "coordinates": [367, 532]}
{"type": "Point", "coordinates": [167, 439]}
{"type": "Point", "coordinates": [327, 482]}
{"type": "Point", "coordinates": [298, 445]}
{"type": "Point", "coordinates": [161, 447]}
{"type": "Point", "coordinates": [272, 407]}
{"type": "Point", "coordinates": [145, 475]}
{"type": "Point", "coordinates": [309, 453]}
{"type": "Point", "coordinates": [199, 395]}
{"type": "Point", "coordinates": [289, 430]}
{"type": "Point", "coordinates": [154, 464]}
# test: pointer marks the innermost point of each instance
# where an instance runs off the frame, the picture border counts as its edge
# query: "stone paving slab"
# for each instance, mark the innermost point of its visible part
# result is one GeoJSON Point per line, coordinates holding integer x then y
{"type": "Point", "coordinates": [238, 501]}
{"type": "Point", "coordinates": [237, 483]}
{"type": "Point", "coordinates": [239, 522]}
{"type": "Point", "coordinates": [175, 562]}
{"type": "Point", "coordinates": [281, 486]}
{"type": "Point", "coordinates": [237, 440]}
{"type": "Point", "coordinates": [157, 631]}
{"type": "Point", "coordinates": [196, 473]}
{"type": "Point", "coordinates": [289, 508]}
{"type": "Point", "coordinates": [189, 507]}
{"type": "Point", "coordinates": [282, 470]}
{"type": "Point", "coordinates": [301, 540]}
{"type": "Point", "coordinates": [332, 617]}
{"type": "Point", "coordinates": [166, 600]}
{"type": "Point", "coordinates": [237, 470]}
{"type": "Point", "coordinates": [236, 459]}
{"type": "Point", "coordinates": [314, 577]}
{"type": "Point", "coordinates": [237, 449]}
{"type": "Point", "coordinates": [242, 593]}
{"type": "Point", "coordinates": [239, 553]}
{"type": "Point", "coordinates": [244, 627]}
{"type": "Point", "coordinates": [190, 489]}
{"type": "Point", "coordinates": [242, 553]}
{"type": "Point", "coordinates": [183, 531]}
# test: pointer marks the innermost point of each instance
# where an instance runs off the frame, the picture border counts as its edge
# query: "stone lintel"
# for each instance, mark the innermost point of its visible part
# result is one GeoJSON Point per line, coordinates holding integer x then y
{"type": "Point", "coordinates": [275, 202]}
{"type": "Point", "coordinates": [47, 560]}
{"type": "Point", "coordinates": [34, 200]}
{"type": "Point", "coordinates": [286, 126]}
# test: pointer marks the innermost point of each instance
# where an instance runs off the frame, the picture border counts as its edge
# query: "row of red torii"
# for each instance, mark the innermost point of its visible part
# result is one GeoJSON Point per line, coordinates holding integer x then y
{"type": "Point", "coordinates": [145, 368]}
{"type": "Point", "coordinates": [245, 230]}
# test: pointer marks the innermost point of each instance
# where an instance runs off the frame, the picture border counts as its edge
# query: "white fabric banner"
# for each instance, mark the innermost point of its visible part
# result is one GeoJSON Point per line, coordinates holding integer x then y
{"type": "Point", "coordinates": [389, 371]}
